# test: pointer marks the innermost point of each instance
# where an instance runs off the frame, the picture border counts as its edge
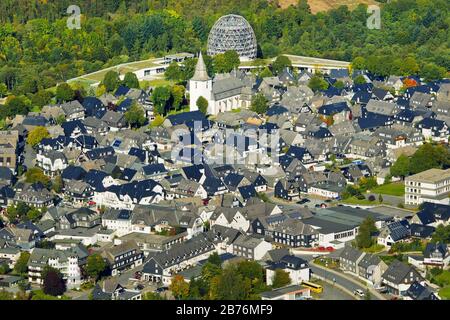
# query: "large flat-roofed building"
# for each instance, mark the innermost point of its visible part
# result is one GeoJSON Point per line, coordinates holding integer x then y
{"type": "Point", "coordinates": [428, 186]}
{"type": "Point", "coordinates": [337, 225]}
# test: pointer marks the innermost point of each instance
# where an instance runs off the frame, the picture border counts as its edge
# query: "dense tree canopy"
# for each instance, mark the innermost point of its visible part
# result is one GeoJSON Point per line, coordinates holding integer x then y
{"type": "Point", "coordinates": [38, 51]}
{"type": "Point", "coordinates": [259, 103]}
{"type": "Point", "coordinates": [135, 116]}
{"type": "Point", "coordinates": [202, 104]}
{"type": "Point", "coordinates": [130, 80]}
{"type": "Point", "coordinates": [36, 135]}
{"type": "Point", "coordinates": [54, 284]}
{"type": "Point", "coordinates": [426, 157]}
{"type": "Point", "coordinates": [365, 231]}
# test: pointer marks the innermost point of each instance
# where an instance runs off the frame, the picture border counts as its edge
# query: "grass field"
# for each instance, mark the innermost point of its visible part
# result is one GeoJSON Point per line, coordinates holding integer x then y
{"type": "Point", "coordinates": [392, 189]}
{"type": "Point", "coordinates": [444, 293]}
{"type": "Point", "coordinates": [325, 5]}
{"type": "Point", "coordinates": [364, 202]}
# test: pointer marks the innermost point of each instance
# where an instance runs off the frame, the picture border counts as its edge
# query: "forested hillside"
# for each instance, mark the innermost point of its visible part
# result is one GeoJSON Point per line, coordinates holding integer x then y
{"type": "Point", "coordinates": [37, 50]}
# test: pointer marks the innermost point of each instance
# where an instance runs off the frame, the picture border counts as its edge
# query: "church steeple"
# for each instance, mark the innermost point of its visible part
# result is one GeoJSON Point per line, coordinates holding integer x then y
{"type": "Point", "coordinates": [201, 72]}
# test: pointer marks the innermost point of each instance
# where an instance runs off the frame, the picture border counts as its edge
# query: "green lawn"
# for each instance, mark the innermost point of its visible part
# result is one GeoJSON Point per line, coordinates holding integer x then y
{"type": "Point", "coordinates": [389, 258]}
{"type": "Point", "coordinates": [444, 293]}
{"type": "Point", "coordinates": [157, 83]}
{"type": "Point", "coordinates": [185, 109]}
{"type": "Point", "coordinates": [392, 189]}
{"type": "Point", "coordinates": [364, 202]}
{"type": "Point", "coordinates": [374, 248]}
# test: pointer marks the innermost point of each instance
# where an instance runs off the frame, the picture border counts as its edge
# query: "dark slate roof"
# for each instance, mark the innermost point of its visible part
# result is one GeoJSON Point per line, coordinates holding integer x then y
{"type": "Point", "coordinates": [397, 272]}
{"type": "Point", "coordinates": [321, 133]}
{"type": "Point", "coordinates": [86, 141]}
{"type": "Point", "coordinates": [70, 126]}
{"type": "Point", "coordinates": [339, 73]}
{"type": "Point", "coordinates": [379, 93]}
{"type": "Point", "coordinates": [405, 115]}
{"type": "Point", "coordinates": [92, 106]}
{"type": "Point", "coordinates": [373, 120]}
{"type": "Point", "coordinates": [128, 174]}
{"type": "Point", "coordinates": [193, 172]}
{"type": "Point", "coordinates": [419, 292]}
{"type": "Point", "coordinates": [153, 169]}
{"type": "Point", "coordinates": [276, 109]}
{"type": "Point", "coordinates": [421, 231]}
{"type": "Point", "coordinates": [351, 254]}
{"type": "Point", "coordinates": [361, 97]}
{"type": "Point", "coordinates": [399, 230]}
{"type": "Point", "coordinates": [440, 211]}
{"type": "Point", "coordinates": [333, 108]}
{"type": "Point", "coordinates": [429, 123]}
{"type": "Point", "coordinates": [100, 153]}
{"type": "Point", "coordinates": [247, 191]}
{"type": "Point", "coordinates": [294, 262]}
{"type": "Point", "coordinates": [439, 248]}
{"type": "Point", "coordinates": [73, 173]}
{"type": "Point", "coordinates": [121, 91]}
{"type": "Point", "coordinates": [232, 180]}
{"type": "Point", "coordinates": [136, 189]}
{"type": "Point", "coordinates": [212, 185]}
{"type": "Point", "coordinates": [35, 121]}
{"type": "Point", "coordinates": [6, 174]}
{"type": "Point", "coordinates": [332, 91]}
{"type": "Point", "coordinates": [182, 118]}
{"type": "Point", "coordinates": [297, 152]}
{"type": "Point", "coordinates": [426, 217]}
{"type": "Point", "coordinates": [365, 87]}
{"type": "Point", "coordinates": [125, 105]}
{"type": "Point", "coordinates": [95, 179]}
{"type": "Point", "coordinates": [140, 153]}
{"type": "Point", "coordinates": [269, 127]}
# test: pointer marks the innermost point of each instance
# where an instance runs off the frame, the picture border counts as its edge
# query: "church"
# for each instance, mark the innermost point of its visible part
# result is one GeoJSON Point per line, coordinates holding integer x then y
{"type": "Point", "coordinates": [223, 93]}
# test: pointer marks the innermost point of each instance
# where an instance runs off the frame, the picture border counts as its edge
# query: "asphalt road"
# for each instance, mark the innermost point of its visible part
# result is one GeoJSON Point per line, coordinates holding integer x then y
{"type": "Point", "coordinates": [338, 279]}
{"type": "Point", "coordinates": [344, 282]}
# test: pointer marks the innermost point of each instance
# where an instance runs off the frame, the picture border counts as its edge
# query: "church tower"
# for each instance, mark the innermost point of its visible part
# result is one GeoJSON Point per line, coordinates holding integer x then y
{"type": "Point", "coordinates": [200, 85]}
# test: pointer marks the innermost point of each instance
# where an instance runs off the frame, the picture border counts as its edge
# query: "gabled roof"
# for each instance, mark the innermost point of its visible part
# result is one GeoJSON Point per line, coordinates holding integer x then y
{"type": "Point", "coordinates": [276, 109]}
{"type": "Point", "coordinates": [435, 250]}
{"type": "Point", "coordinates": [247, 191]}
{"type": "Point", "coordinates": [421, 231]}
{"type": "Point", "coordinates": [398, 271]}
{"type": "Point", "coordinates": [418, 292]}
{"type": "Point", "coordinates": [351, 254]}
{"type": "Point", "coordinates": [182, 118]}
{"type": "Point", "coordinates": [73, 173]}
{"type": "Point", "coordinates": [399, 230]}
{"type": "Point", "coordinates": [153, 169]}
{"type": "Point", "coordinates": [121, 91]}
{"type": "Point", "coordinates": [70, 126]}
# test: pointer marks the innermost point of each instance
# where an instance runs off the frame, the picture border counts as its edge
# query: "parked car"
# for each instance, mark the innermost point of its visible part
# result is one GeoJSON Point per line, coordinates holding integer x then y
{"type": "Point", "coordinates": [303, 201]}
{"type": "Point", "coordinates": [140, 287]}
{"type": "Point", "coordinates": [161, 290]}
{"type": "Point", "coordinates": [358, 292]}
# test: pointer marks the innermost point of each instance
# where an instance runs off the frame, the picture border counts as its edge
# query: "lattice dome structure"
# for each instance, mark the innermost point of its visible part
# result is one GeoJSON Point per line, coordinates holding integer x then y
{"type": "Point", "coordinates": [232, 32]}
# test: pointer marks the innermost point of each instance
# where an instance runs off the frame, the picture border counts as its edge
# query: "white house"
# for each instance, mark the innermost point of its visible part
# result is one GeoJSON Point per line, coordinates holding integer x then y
{"type": "Point", "coordinates": [297, 268]}
{"type": "Point", "coordinates": [250, 247]}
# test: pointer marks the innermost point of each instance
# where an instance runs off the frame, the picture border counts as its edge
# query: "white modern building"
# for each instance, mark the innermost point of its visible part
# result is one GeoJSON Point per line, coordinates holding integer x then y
{"type": "Point", "coordinates": [432, 185]}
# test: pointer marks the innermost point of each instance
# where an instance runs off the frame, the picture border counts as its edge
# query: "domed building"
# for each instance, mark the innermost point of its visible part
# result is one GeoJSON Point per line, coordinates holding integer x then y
{"type": "Point", "coordinates": [232, 32]}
